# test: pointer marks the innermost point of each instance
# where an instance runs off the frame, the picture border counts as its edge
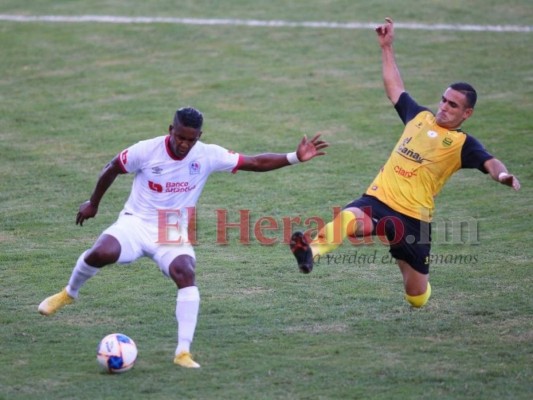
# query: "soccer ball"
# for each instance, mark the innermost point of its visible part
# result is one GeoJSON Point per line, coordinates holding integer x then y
{"type": "Point", "coordinates": [116, 353]}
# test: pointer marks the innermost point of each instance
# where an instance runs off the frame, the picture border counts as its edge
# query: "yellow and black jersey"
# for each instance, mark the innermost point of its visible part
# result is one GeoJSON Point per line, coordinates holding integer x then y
{"type": "Point", "coordinates": [422, 161]}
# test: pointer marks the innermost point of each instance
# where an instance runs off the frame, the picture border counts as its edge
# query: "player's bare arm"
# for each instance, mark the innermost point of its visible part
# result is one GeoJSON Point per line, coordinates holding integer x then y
{"type": "Point", "coordinates": [392, 79]}
{"type": "Point", "coordinates": [307, 149]}
{"type": "Point", "coordinates": [498, 171]}
{"type": "Point", "coordinates": [89, 208]}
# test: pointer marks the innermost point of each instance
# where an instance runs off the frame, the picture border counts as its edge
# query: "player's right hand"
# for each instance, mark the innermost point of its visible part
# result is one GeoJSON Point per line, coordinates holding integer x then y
{"type": "Point", "coordinates": [386, 32]}
{"type": "Point", "coordinates": [86, 211]}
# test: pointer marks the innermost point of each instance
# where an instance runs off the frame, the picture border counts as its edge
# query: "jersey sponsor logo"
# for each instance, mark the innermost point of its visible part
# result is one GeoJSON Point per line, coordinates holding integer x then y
{"type": "Point", "coordinates": [178, 187]}
{"type": "Point", "coordinates": [402, 172]}
{"type": "Point", "coordinates": [124, 157]}
{"type": "Point", "coordinates": [194, 168]}
{"type": "Point", "coordinates": [156, 187]}
{"type": "Point", "coordinates": [171, 187]}
{"type": "Point", "coordinates": [157, 170]}
{"type": "Point", "coordinates": [409, 153]}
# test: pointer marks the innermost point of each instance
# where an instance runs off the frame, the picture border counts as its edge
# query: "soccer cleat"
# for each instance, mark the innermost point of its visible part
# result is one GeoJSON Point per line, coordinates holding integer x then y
{"type": "Point", "coordinates": [53, 303]}
{"type": "Point", "coordinates": [184, 359]}
{"type": "Point", "coordinates": [302, 251]}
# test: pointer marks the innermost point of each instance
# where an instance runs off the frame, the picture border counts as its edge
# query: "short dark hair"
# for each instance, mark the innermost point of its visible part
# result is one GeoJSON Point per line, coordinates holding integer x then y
{"type": "Point", "coordinates": [468, 90]}
{"type": "Point", "coordinates": [189, 117]}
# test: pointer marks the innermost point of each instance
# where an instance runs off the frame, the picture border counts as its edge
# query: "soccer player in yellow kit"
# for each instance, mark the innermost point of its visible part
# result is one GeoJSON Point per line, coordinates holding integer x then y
{"type": "Point", "coordinates": [399, 203]}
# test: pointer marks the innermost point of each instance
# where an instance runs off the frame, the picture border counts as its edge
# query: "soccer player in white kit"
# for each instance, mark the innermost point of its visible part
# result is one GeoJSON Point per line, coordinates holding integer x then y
{"type": "Point", "coordinates": [170, 173]}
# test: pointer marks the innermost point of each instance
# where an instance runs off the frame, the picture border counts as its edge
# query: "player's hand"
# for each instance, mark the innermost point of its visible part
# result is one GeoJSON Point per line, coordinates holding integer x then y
{"type": "Point", "coordinates": [509, 180]}
{"type": "Point", "coordinates": [386, 32]}
{"type": "Point", "coordinates": [307, 149]}
{"type": "Point", "coordinates": [86, 211]}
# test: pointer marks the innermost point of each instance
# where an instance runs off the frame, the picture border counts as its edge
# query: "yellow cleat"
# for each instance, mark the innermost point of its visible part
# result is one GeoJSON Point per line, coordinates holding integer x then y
{"type": "Point", "coordinates": [184, 359]}
{"type": "Point", "coordinates": [53, 303]}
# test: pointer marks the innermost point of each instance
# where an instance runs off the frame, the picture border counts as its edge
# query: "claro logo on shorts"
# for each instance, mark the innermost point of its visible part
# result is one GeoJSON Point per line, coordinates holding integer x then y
{"type": "Point", "coordinates": [171, 187]}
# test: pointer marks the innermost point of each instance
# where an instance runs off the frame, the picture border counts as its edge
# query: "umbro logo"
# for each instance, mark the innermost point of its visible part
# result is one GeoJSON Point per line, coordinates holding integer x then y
{"type": "Point", "coordinates": [157, 170]}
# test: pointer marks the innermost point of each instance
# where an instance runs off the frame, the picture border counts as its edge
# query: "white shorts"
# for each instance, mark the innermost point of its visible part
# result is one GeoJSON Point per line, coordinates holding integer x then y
{"type": "Point", "coordinates": [138, 239]}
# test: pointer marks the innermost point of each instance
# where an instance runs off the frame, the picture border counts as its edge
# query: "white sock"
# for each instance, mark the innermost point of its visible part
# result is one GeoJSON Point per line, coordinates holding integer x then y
{"type": "Point", "coordinates": [81, 273]}
{"type": "Point", "coordinates": [187, 307]}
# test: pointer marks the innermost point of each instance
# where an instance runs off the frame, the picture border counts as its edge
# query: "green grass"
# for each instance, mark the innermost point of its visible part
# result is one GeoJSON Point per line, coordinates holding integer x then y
{"type": "Point", "coordinates": [73, 95]}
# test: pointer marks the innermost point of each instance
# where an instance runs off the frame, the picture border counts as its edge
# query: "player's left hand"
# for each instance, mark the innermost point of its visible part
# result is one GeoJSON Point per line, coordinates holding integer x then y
{"type": "Point", "coordinates": [509, 180]}
{"type": "Point", "coordinates": [308, 149]}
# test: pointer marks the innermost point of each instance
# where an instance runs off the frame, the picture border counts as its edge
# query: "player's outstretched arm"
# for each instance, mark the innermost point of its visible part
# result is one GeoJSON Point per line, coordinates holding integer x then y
{"type": "Point", "coordinates": [498, 172]}
{"type": "Point", "coordinates": [306, 150]}
{"type": "Point", "coordinates": [89, 208]}
{"type": "Point", "coordinates": [392, 79]}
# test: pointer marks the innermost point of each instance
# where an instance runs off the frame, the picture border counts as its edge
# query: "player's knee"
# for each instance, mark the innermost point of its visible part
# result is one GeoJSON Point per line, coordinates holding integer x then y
{"type": "Point", "coordinates": [419, 300]}
{"type": "Point", "coordinates": [182, 271]}
{"type": "Point", "coordinates": [101, 256]}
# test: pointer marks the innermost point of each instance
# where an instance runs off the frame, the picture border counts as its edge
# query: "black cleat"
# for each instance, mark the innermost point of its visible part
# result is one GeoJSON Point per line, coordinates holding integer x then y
{"type": "Point", "coordinates": [302, 251]}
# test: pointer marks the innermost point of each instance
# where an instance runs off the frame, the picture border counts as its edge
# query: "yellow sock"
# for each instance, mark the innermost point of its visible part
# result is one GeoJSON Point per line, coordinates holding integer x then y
{"type": "Point", "coordinates": [332, 235]}
{"type": "Point", "coordinates": [421, 299]}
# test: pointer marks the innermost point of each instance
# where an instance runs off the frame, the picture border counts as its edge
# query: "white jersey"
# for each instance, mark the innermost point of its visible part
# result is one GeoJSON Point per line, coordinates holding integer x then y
{"type": "Point", "coordinates": [165, 183]}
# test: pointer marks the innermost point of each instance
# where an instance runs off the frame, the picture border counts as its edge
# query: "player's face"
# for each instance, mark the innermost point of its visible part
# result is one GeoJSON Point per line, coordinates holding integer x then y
{"type": "Point", "coordinates": [452, 109]}
{"type": "Point", "coordinates": [182, 139]}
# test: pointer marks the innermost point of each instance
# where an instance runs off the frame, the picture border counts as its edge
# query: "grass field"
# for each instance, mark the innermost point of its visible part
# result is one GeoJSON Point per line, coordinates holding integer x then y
{"type": "Point", "coordinates": [73, 95]}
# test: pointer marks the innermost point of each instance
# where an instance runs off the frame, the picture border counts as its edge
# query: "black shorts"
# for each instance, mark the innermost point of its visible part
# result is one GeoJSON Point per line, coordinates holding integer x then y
{"type": "Point", "coordinates": [409, 238]}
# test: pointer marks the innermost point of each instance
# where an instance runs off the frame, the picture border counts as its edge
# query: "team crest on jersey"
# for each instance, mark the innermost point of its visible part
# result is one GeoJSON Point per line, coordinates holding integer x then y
{"type": "Point", "coordinates": [447, 142]}
{"type": "Point", "coordinates": [194, 168]}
